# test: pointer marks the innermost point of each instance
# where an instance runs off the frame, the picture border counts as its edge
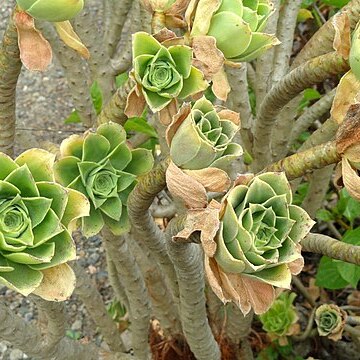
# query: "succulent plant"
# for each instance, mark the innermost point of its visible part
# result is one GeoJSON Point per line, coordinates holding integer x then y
{"type": "Point", "coordinates": [330, 321]}
{"type": "Point", "coordinates": [354, 56]}
{"type": "Point", "coordinates": [204, 137]}
{"type": "Point", "coordinates": [261, 230]}
{"type": "Point", "coordinates": [280, 320]}
{"type": "Point", "coordinates": [164, 73]}
{"type": "Point", "coordinates": [227, 20]}
{"type": "Point", "coordinates": [102, 167]}
{"type": "Point", "coordinates": [52, 10]}
{"type": "Point", "coordinates": [36, 215]}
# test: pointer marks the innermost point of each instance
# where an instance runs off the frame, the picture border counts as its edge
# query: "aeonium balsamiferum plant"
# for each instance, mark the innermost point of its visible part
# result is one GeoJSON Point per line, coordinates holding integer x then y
{"type": "Point", "coordinates": [162, 74]}
{"type": "Point", "coordinates": [330, 321]}
{"type": "Point", "coordinates": [200, 138]}
{"type": "Point", "coordinates": [258, 242]}
{"type": "Point", "coordinates": [281, 319]}
{"type": "Point", "coordinates": [36, 219]}
{"type": "Point", "coordinates": [102, 167]}
{"type": "Point", "coordinates": [226, 20]}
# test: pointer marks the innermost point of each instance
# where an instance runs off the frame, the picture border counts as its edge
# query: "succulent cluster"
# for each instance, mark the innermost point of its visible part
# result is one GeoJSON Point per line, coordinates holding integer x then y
{"type": "Point", "coordinates": [53, 11]}
{"type": "Point", "coordinates": [280, 320]}
{"type": "Point", "coordinates": [204, 137]}
{"type": "Point", "coordinates": [102, 167]}
{"type": "Point", "coordinates": [261, 230]}
{"type": "Point", "coordinates": [243, 20]}
{"type": "Point", "coordinates": [35, 217]}
{"type": "Point", "coordinates": [330, 321]}
{"type": "Point", "coordinates": [164, 73]}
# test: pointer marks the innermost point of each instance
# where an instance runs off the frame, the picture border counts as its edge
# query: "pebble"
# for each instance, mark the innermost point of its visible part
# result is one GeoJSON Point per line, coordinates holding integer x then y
{"type": "Point", "coordinates": [77, 325]}
{"type": "Point", "coordinates": [16, 354]}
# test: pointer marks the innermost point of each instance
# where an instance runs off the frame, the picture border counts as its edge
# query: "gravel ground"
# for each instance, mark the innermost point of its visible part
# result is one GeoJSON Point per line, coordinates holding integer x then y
{"type": "Point", "coordinates": [43, 102]}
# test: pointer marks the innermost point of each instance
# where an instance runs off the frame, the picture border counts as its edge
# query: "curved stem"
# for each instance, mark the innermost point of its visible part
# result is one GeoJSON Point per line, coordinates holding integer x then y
{"type": "Point", "coordinates": [310, 115]}
{"type": "Point", "coordinates": [322, 42]}
{"type": "Point", "coordinates": [135, 289]}
{"type": "Point", "coordinates": [312, 72]}
{"type": "Point", "coordinates": [138, 205]}
{"type": "Point", "coordinates": [10, 67]}
{"type": "Point", "coordinates": [114, 109]}
{"type": "Point", "coordinates": [90, 296]}
{"type": "Point", "coordinates": [325, 245]}
{"type": "Point", "coordinates": [187, 259]}
{"type": "Point", "coordinates": [301, 163]}
{"type": "Point", "coordinates": [285, 33]}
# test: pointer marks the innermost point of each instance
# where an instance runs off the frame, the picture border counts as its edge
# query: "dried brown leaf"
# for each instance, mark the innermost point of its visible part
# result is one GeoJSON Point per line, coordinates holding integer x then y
{"type": "Point", "coordinates": [186, 188]}
{"type": "Point", "coordinates": [135, 103]}
{"type": "Point", "coordinates": [347, 93]}
{"type": "Point", "coordinates": [213, 179]}
{"type": "Point", "coordinates": [348, 134]}
{"type": "Point", "coordinates": [245, 292]}
{"type": "Point", "coordinates": [164, 34]}
{"type": "Point", "coordinates": [175, 21]}
{"type": "Point", "coordinates": [167, 113]}
{"type": "Point", "coordinates": [58, 283]}
{"type": "Point", "coordinates": [351, 179]}
{"type": "Point", "coordinates": [207, 222]}
{"type": "Point", "coordinates": [243, 179]}
{"type": "Point", "coordinates": [220, 86]}
{"type": "Point", "coordinates": [230, 115]}
{"type": "Point", "coordinates": [208, 54]}
{"type": "Point", "coordinates": [177, 120]}
{"type": "Point", "coordinates": [35, 50]}
{"type": "Point", "coordinates": [342, 39]}
{"type": "Point", "coordinates": [178, 7]}
{"type": "Point", "coordinates": [71, 39]}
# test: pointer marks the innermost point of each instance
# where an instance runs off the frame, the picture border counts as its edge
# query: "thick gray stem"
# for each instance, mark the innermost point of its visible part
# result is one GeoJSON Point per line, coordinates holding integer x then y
{"type": "Point", "coordinates": [187, 259]}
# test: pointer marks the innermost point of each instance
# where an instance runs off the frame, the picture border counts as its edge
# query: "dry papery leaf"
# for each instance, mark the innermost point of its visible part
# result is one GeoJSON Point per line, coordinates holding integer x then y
{"type": "Point", "coordinates": [208, 54]}
{"type": "Point", "coordinates": [164, 34]}
{"type": "Point", "coordinates": [35, 50]}
{"type": "Point", "coordinates": [177, 120]}
{"type": "Point", "coordinates": [183, 186]}
{"type": "Point", "coordinates": [71, 39]}
{"type": "Point", "coordinates": [229, 115]}
{"type": "Point", "coordinates": [220, 86]}
{"type": "Point", "coordinates": [342, 39]}
{"type": "Point", "coordinates": [347, 93]}
{"type": "Point", "coordinates": [58, 283]}
{"type": "Point", "coordinates": [135, 103]}
{"type": "Point", "coordinates": [348, 134]}
{"type": "Point", "coordinates": [213, 179]}
{"type": "Point", "coordinates": [207, 222]}
{"type": "Point", "coordinates": [167, 113]}
{"type": "Point", "coordinates": [178, 7]}
{"type": "Point", "coordinates": [245, 292]}
{"type": "Point", "coordinates": [351, 179]}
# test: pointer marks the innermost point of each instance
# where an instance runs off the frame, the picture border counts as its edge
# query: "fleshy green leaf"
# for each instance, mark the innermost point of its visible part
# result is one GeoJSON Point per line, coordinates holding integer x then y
{"type": "Point", "coordinates": [24, 181]}
{"type": "Point", "coordinates": [142, 162]}
{"type": "Point", "coordinates": [7, 165]}
{"type": "Point", "coordinates": [66, 170]}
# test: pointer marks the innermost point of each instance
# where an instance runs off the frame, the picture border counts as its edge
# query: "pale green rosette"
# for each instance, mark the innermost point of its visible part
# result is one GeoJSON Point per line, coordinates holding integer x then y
{"type": "Point", "coordinates": [204, 139]}
{"type": "Point", "coordinates": [261, 230]}
{"type": "Point", "coordinates": [164, 73]}
{"type": "Point", "coordinates": [330, 321]}
{"type": "Point", "coordinates": [104, 169]}
{"type": "Point", "coordinates": [237, 26]}
{"type": "Point", "coordinates": [52, 10]}
{"type": "Point", "coordinates": [280, 319]}
{"type": "Point", "coordinates": [35, 215]}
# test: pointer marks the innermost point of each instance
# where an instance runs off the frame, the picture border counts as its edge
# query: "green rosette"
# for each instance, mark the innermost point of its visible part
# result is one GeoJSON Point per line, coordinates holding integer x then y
{"type": "Point", "coordinates": [330, 321]}
{"type": "Point", "coordinates": [36, 215]}
{"type": "Point", "coordinates": [102, 167]}
{"type": "Point", "coordinates": [52, 10]}
{"type": "Point", "coordinates": [164, 73]}
{"type": "Point", "coordinates": [236, 19]}
{"type": "Point", "coordinates": [204, 139]}
{"type": "Point", "coordinates": [280, 319]}
{"type": "Point", "coordinates": [261, 230]}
